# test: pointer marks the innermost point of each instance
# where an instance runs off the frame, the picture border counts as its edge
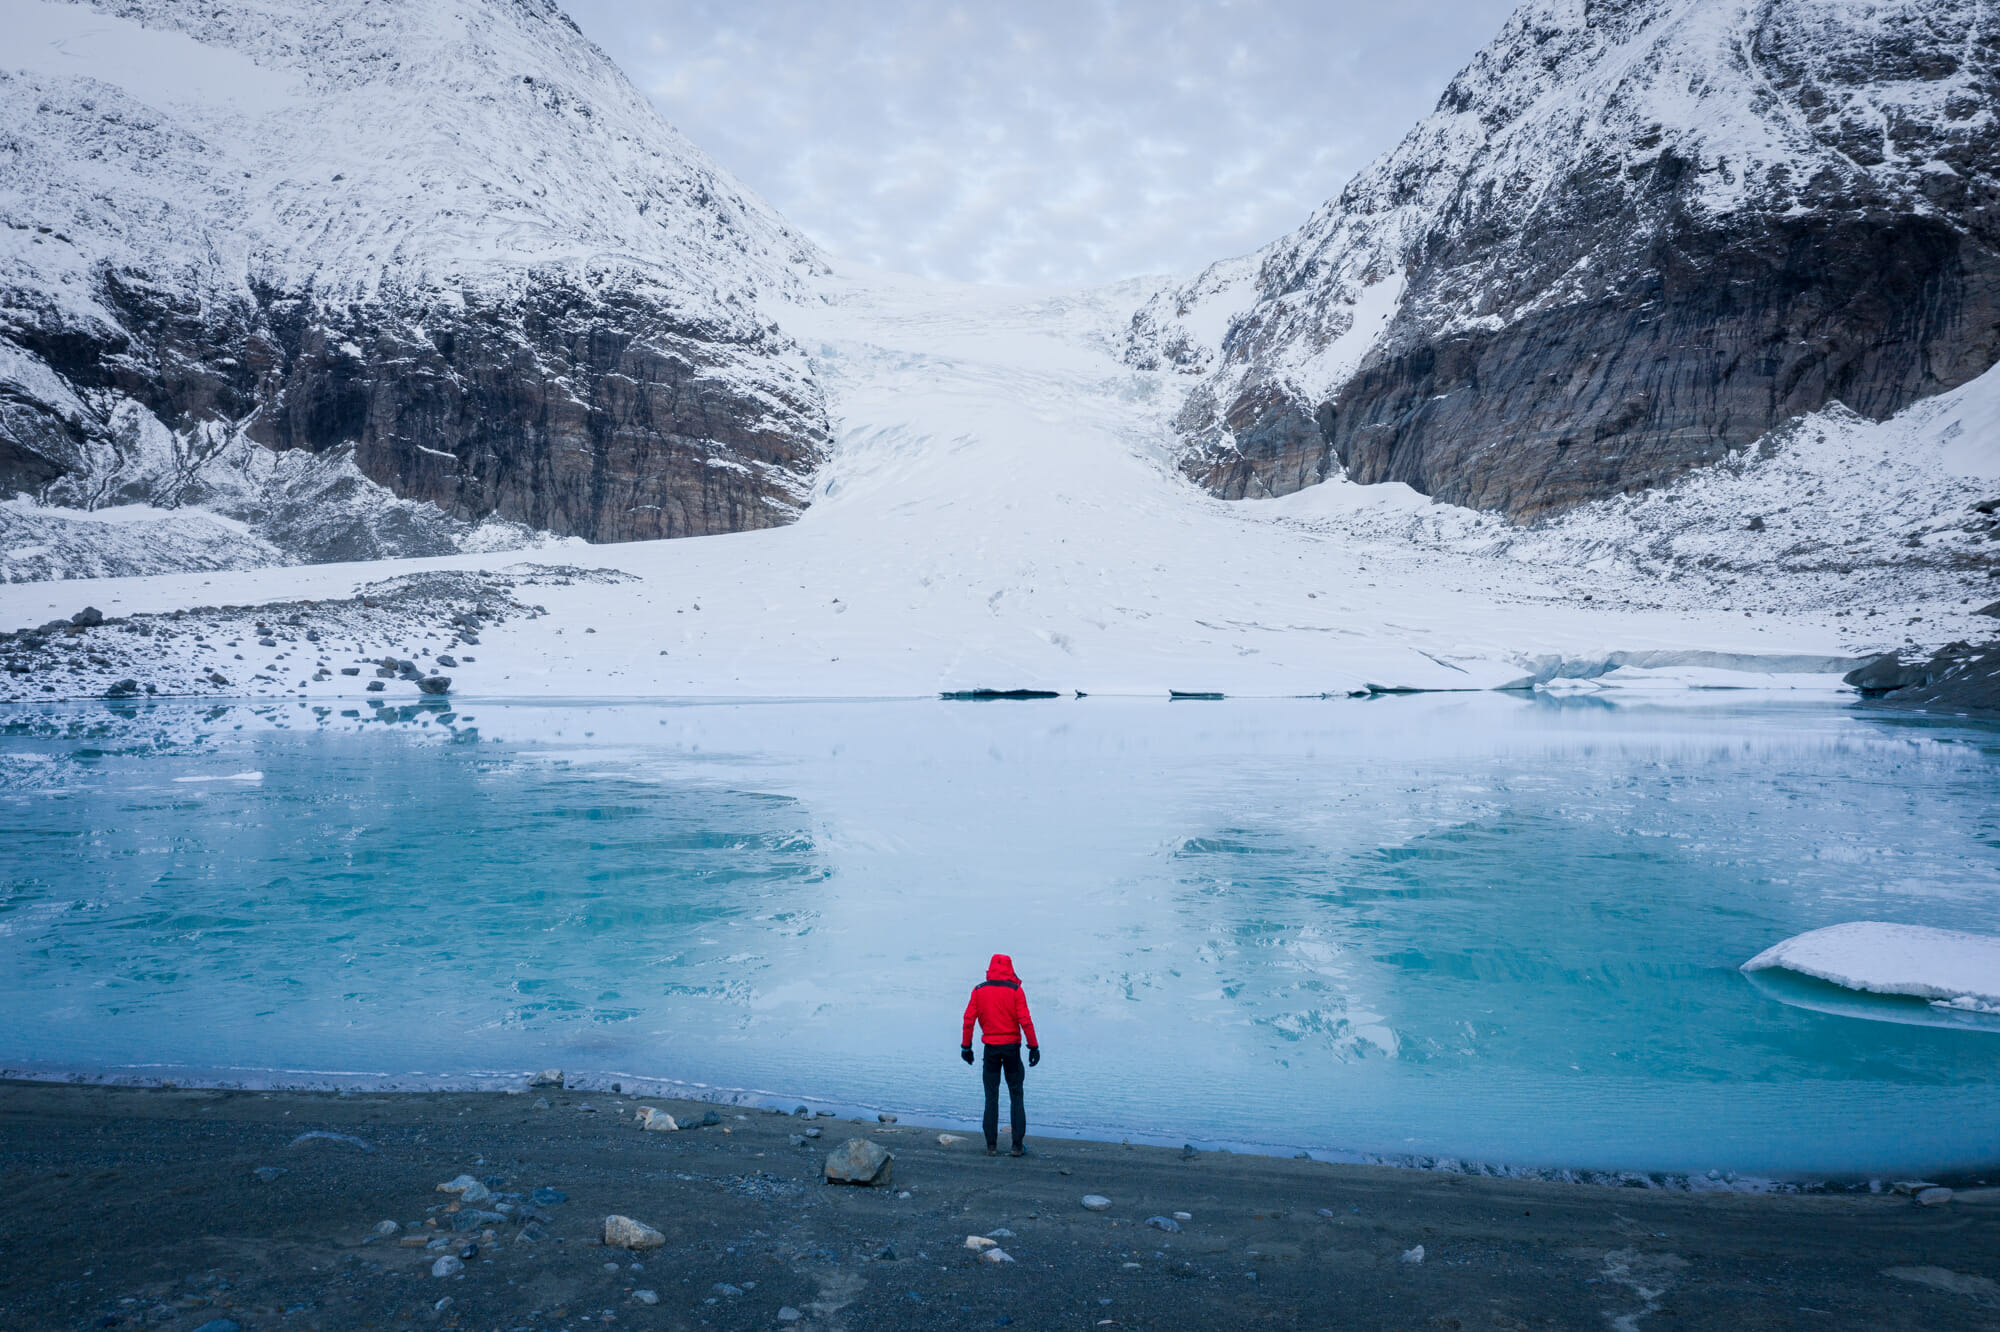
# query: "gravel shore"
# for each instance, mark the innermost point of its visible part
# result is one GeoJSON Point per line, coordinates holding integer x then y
{"type": "Point", "coordinates": [190, 1209]}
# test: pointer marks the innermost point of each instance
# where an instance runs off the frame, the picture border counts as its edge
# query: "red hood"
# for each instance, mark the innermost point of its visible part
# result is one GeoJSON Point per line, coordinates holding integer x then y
{"type": "Point", "coordinates": [1001, 968]}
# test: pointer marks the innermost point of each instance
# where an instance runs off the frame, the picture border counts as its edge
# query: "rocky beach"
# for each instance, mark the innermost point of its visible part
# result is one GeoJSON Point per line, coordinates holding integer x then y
{"type": "Point", "coordinates": [188, 1209]}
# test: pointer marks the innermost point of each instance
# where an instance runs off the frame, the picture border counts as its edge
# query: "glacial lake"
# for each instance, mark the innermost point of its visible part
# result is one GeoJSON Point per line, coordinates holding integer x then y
{"type": "Point", "coordinates": [1490, 928]}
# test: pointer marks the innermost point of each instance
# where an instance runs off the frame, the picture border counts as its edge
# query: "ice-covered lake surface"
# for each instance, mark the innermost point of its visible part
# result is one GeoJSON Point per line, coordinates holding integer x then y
{"type": "Point", "coordinates": [1482, 927]}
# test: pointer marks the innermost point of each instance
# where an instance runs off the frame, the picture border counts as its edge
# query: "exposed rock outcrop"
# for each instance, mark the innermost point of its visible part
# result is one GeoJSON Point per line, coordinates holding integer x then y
{"type": "Point", "coordinates": [1959, 677]}
{"type": "Point", "coordinates": [1633, 237]}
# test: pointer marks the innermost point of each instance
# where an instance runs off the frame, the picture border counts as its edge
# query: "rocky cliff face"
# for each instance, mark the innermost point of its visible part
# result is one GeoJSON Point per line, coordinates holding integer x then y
{"type": "Point", "coordinates": [444, 252]}
{"type": "Point", "coordinates": [1634, 237]}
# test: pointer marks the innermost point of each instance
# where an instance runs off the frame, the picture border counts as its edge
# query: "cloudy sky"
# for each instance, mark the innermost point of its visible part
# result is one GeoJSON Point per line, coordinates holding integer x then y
{"type": "Point", "coordinates": [1042, 141]}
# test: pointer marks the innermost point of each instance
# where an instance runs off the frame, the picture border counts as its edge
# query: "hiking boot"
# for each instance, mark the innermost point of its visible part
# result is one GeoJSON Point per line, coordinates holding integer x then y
{"type": "Point", "coordinates": [993, 1151]}
{"type": "Point", "coordinates": [1018, 1151]}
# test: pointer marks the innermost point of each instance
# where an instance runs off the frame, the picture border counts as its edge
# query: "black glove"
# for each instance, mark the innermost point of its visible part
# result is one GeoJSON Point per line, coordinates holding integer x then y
{"type": "Point", "coordinates": [1034, 1055]}
{"type": "Point", "coordinates": [965, 1053]}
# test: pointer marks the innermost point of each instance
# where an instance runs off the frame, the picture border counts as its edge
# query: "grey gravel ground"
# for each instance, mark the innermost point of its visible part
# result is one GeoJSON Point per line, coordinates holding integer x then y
{"type": "Point", "coordinates": [138, 1208]}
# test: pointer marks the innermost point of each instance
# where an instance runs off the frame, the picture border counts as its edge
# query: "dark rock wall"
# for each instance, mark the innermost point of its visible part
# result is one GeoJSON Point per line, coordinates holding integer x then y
{"type": "Point", "coordinates": [579, 412]}
{"type": "Point", "coordinates": [1720, 334]}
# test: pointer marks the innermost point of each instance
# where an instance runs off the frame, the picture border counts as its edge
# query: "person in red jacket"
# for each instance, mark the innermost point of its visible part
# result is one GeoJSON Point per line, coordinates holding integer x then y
{"type": "Point", "coordinates": [1001, 1010]}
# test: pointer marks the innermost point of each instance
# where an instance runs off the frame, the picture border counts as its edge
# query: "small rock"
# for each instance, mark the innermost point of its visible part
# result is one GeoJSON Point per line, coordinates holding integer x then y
{"type": "Point", "coordinates": [645, 1297]}
{"type": "Point", "coordinates": [888, 1254]}
{"type": "Point", "coordinates": [789, 1315]}
{"type": "Point", "coordinates": [812, 1133]}
{"type": "Point", "coordinates": [622, 1232]}
{"type": "Point", "coordinates": [859, 1161]}
{"type": "Point", "coordinates": [797, 1139]}
{"type": "Point", "coordinates": [585, 1108]}
{"type": "Point", "coordinates": [710, 1120]}
{"type": "Point", "coordinates": [1000, 1234]}
{"type": "Point", "coordinates": [1188, 1153]}
{"type": "Point", "coordinates": [495, 1181]}
{"type": "Point", "coordinates": [1096, 1202]}
{"type": "Point", "coordinates": [947, 1139]}
{"type": "Point", "coordinates": [268, 1173]}
{"type": "Point", "coordinates": [350, 670]}
{"type": "Point", "coordinates": [435, 684]}
{"type": "Point", "coordinates": [996, 1256]}
{"type": "Point", "coordinates": [548, 1077]}
{"type": "Point", "coordinates": [1756, 523]}
{"type": "Point", "coordinates": [1415, 1255]}
{"type": "Point", "coordinates": [531, 1233]}
{"type": "Point", "coordinates": [1166, 1223]}
{"type": "Point", "coordinates": [547, 1197]}
{"type": "Point", "coordinates": [449, 1265]}
{"type": "Point", "coordinates": [469, 1252]}
{"type": "Point", "coordinates": [801, 1112]}
{"type": "Point", "coordinates": [656, 1121]}
{"type": "Point", "coordinates": [448, 661]}
{"type": "Point", "coordinates": [979, 1243]}
{"type": "Point", "coordinates": [1302, 1156]}
{"type": "Point", "coordinates": [724, 1288]}
{"type": "Point", "coordinates": [374, 686]}
{"type": "Point", "coordinates": [885, 1118]}
{"type": "Point", "coordinates": [613, 1267]}
{"type": "Point", "coordinates": [267, 642]}
{"type": "Point", "coordinates": [386, 1228]}
{"type": "Point", "coordinates": [88, 617]}
{"type": "Point", "coordinates": [1937, 1197]}
{"type": "Point", "coordinates": [541, 1103]}
{"type": "Point", "coordinates": [1912, 1187]}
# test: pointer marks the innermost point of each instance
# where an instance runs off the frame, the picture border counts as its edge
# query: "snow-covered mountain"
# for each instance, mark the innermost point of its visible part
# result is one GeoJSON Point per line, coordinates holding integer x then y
{"type": "Point", "coordinates": [1635, 236]}
{"type": "Point", "coordinates": [366, 278]}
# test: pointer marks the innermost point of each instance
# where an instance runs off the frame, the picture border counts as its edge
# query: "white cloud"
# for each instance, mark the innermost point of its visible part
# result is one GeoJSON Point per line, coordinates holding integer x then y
{"type": "Point", "coordinates": [1041, 142]}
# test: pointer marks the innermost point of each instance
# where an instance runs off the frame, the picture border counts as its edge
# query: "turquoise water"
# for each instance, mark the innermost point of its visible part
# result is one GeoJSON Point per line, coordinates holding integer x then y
{"type": "Point", "coordinates": [1479, 927]}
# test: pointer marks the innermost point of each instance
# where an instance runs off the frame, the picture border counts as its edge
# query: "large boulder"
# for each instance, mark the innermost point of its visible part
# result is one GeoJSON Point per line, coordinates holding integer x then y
{"type": "Point", "coordinates": [622, 1232]}
{"type": "Point", "coordinates": [858, 1161]}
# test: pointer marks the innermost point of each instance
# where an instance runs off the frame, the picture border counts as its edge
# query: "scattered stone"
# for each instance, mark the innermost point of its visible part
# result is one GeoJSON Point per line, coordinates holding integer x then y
{"type": "Point", "coordinates": [1937, 1197]}
{"type": "Point", "coordinates": [267, 642]}
{"type": "Point", "coordinates": [467, 1188]}
{"type": "Point", "coordinates": [711, 1119]}
{"type": "Point", "coordinates": [980, 1243]}
{"type": "Point", "coordinates": [321, 1135]}
{"type": "Point", "coordinates": [386, 1228]}
{"type": "Point", "coordinates": [1000, 1234]}
{"type": "Point", "coordinates": [885, 1118]}
{"type": "Point", "coordinates": [548, 1197]}
{"type": "Point", "coordinates": [812, 1133]}
{"type": "Point", "coordinates": [1096, 1202]}
{"type": "Point", "coordinates": [888, 1254]}
{"type": "Point", "coordinates": [449, 1265]}
{"type": "Point", "coordinates": [613, 1267]}
{"type": "Point", "coordinates": [268, 1173]}
{"type": "Point", "coordinates": [1166, 1223]}
{"type": "Point", "coordinates": [947, 1139]}
{"type": "Point", "coordinates": [859, 1161]}
{"type": "Point", "coordinates": [789, 1315]}
{"type": "Point", "coordinates": [435, 684]}
{"type": "Point", "coordinates": [645, 1297]}
{"type": "Point", "coordinates": [1756, 523]}
{"type": "Point", "coordinates": [1415, 1255]}
{"type": "Point", "coordinates": [996, 1257]}
{"type": "Point", "coordinates": [1302, 1156]}
{"type": "Point", "coordinates": [1188, 1153]}
{"type": "Point", "coordinates": [1912, 1187]}
{"type": "Point", "coordinates": [469, 1252]}
{"type": "Point", "coordinates": [448, 661]}
{"type": "Point", "coordinates": [374, 686]}
{"type": "Point", "coordinates": [656, 1121]}
{"type": "Point", "coordinates": [586, 1108]}
{"type": "Point", "coordinates": [1183, 1216]}
{"type": "Point", "coordinates": [622, 1232]}
{"type": "Point", "coordinates": [350, 670]}
{"type": "Point", "coordinates": [531, 1233]}
{"type": "Point", "coordinates": [797, 1139]}
{"type": "Point", "coordinates": [87, 618]}
{"type": "Point", "coordinates": [541, 1103]}
{"type": "Point", "coordinates": [725, 1289]}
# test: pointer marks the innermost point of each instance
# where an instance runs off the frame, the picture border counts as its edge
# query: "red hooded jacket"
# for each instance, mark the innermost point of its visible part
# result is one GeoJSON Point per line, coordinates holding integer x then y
{"type": "Point", "coordinates": [1000, 1008]}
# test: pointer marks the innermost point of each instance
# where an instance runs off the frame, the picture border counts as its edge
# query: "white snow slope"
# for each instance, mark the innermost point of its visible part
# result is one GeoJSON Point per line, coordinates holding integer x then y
{"type": "Point", "coordinates": [1001, 512]}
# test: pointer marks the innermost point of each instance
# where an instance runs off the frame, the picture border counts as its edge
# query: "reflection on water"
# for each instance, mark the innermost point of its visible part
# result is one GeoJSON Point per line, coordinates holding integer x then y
{"type": "Point", "coordinates": [1468, 926]}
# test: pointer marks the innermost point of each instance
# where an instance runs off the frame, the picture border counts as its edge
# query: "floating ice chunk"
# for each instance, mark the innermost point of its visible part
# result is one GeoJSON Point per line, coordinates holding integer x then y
{"type": "Point", "coordinates": [1949, 967]}
{"type": "Point", "coordinates": [232, 777]}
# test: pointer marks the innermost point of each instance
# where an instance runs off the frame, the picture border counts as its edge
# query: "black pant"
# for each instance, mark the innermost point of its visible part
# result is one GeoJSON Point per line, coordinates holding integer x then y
{"type": "Point", "coordinates": [1004, 1059]}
